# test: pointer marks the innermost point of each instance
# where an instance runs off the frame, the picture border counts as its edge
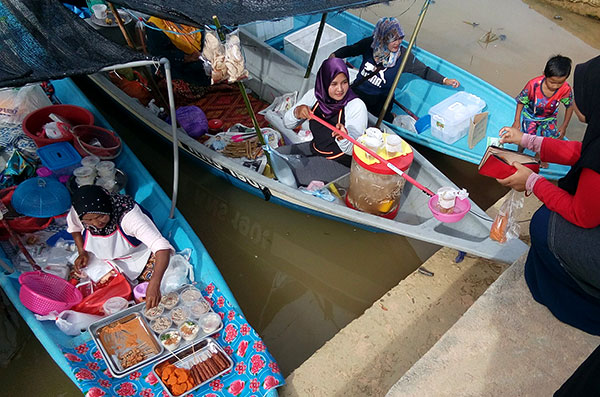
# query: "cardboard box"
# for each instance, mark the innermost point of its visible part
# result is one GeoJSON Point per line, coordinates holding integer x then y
{"type": "Point", "coordinates": [477, 129]}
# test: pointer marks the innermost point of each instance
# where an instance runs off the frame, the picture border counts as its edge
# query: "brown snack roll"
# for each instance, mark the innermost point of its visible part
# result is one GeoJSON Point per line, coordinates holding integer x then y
{"type": "Point", "coordinates": [195, 375]}
{"type": "Point", "coordinates": [218, 365]}
{"type": "Point", "coordinates": [203, 370]}
{"type": "Point", "coordinates": [224, 363]}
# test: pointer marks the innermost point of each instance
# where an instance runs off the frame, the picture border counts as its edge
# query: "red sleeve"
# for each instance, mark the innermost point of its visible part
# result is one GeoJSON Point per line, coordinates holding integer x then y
{"type": "Point", "coordinates": [559, 151]}
{"type": "Point", "coordinates": [581, 209]}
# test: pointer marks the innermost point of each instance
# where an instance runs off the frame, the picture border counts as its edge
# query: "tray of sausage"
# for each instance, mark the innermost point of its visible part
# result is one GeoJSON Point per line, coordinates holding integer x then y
{"type": "Point", "coordinates": [193, 367]}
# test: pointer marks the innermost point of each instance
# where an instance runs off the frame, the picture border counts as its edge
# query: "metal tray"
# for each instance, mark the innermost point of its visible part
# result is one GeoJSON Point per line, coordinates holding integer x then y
{"type": "Point", "coordinates": [191, 356]}
{"type": "Point", "coordinates": [111, 346]}
{"type": "Point", "coordinates": [138, 309]}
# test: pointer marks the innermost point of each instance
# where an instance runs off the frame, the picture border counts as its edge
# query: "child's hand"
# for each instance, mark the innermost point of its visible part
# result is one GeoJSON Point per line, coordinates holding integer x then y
{"type": "Point", "coordinates": [561, 132]}
{"type": "Point", "coordinates": [517, 180]}
{"type": "Point", "coordinates": [451, 82]}
{"type": "Point", "coordinates": [510, 135]}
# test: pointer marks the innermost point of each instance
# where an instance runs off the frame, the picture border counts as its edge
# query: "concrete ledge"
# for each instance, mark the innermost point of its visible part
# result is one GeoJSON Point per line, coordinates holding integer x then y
{"type": "Point", "coordinates": [506, 344]}
{"type": "Point", "coordinates": [370, 354]}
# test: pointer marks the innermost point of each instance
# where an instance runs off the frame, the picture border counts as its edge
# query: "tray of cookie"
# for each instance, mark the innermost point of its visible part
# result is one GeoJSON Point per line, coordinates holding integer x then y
{"type": "Point", "coordinates": [192, 367]}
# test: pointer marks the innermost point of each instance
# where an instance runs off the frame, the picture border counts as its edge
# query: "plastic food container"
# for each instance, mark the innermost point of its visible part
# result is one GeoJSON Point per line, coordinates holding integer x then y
{"type": "Point", "coordinates": [160, 324]}
{"type": "Point", "coordinates": [61, 158]}
{"type": "Point", "coordinates": [85, 175]}
{"type": "Point", "coordinates": [179, 315]}
{"type": "Point", "coordinates": [90, 161]}
{"type": "Point", "coordinates": [210, 322]}
{"type": "Point", "coordinates": [189, 329]}
{"type": "Point", "coordinates": [169, 300]}
{"type": "Point", "coordinates": [114, 305]}
{"type": "Point", "coordinates": [450, 119]}
{"type": "Point", "coordinates": [190, 295]}
{"type": "Point", "coordinates": [198, 308]}
{"type": "Point", "coordinates": [170, 339]}
{"type": "Point", "coordinates": [106, 169]}
{"type": "Point", "coordinates": [154, 312]}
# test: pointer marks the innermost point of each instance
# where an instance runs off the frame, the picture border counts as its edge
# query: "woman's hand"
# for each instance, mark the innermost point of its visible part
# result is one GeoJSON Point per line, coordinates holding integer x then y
{"type": "Point", "coordinates": [451, 82]}
{"type": "Point", "coordinates": [510, 135]}
{"type": "Point", "coordinates": [302, 112]}
{"type": "Point", "coordinates": [518, 179]}
{"type": "Point", "coordinates": [152, 294]}
{"type": "Point", "coordinates": [336, 135]}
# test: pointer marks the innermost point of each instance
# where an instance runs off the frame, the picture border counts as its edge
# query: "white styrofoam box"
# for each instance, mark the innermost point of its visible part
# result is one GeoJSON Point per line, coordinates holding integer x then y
{"type": "Point", "coordinates": [450, 119]}
{"type": "Point", "coordinates": [299, 44]}
{"type": "Point", "coordinates": [265, 30]}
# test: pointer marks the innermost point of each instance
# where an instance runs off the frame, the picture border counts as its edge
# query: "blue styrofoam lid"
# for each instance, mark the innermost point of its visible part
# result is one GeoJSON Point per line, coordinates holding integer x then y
{"type": "Point", "coordinates": [58, 155]}
{"type": "Point", "coordinates": [41, 198]}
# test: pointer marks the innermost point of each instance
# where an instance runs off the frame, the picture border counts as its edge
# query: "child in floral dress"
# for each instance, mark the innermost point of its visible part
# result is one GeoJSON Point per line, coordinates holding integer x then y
{"type": "Point", "coordinates": [537, 104]}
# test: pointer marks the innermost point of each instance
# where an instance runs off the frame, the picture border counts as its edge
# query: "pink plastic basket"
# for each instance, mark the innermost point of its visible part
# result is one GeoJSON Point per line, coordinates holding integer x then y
{"type": "Point", "coordinates": [42, 293]}
{"type": "Point", "coordinates": [461, 207]}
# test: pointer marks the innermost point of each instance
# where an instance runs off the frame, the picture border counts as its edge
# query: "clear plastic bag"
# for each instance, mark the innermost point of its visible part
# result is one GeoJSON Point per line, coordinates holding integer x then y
{"type": "Point", "coordinates": [69, 321]}
{"type": "Point", "coordinates": [505, 226]}
{"type": "Point", "coordinates": [281, 104]}
{"type": "Point", "coordinates": [213, 55]}
{"type": "Point", "coordinates": [234, 58]}
{"type": "Point", "coordinates": [15, 104]}
{"type": "Point", "coordinates": [179, 272]}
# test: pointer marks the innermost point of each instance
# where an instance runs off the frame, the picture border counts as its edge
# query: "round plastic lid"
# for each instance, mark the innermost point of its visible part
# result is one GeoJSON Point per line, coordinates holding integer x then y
{"type": "Point", "coordinates": [403, 161]}
{"type": "Point", "coordinates": [41, 198]}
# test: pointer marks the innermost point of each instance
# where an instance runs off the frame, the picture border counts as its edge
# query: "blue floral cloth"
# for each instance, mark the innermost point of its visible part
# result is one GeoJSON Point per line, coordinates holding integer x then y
{"type": "Point", "coordinates": [254, 373]}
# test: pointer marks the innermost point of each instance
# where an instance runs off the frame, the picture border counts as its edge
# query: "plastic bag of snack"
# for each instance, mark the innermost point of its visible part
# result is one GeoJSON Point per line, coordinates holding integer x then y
{"type": "Point", "coordinates": [234, 59]}
{"type": "Point", "coordinates": [213, 54]}
{"type": "Point", "coordinates": [505, 225]}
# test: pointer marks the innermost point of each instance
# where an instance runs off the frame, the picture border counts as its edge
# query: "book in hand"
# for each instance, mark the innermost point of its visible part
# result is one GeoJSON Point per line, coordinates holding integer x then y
{"type": "Point", "coordinates": [497, 162]}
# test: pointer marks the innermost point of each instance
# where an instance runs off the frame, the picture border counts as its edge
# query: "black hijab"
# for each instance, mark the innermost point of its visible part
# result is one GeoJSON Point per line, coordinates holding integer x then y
{"type": "Point", "coordinates": [93, 199]}
{"type": "Point", "coordinates": [586, 87]}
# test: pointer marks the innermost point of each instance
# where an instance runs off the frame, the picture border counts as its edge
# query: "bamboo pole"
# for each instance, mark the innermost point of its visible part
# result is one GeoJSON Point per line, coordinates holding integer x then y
{"type": "Point", "coordinates": [242, 88]}
{"type": "Point", "coordinates": [411, 43]}
{"type": "Point", "coordinates": [121, 25]}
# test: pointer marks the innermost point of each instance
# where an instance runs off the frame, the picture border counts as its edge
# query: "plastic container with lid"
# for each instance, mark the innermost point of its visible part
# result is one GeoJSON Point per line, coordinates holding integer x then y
{"type": "Point", "coordinates": [450, 119]}
{"type": "Point", "coordinates": [90, 161]}
{"type": "Point", "coordinates": [106, 169]}
{"type": "Point", "coordinates": [366, 173]}
{"type": "Point", "coordinates": [84, 175]}
{"type": "Point", "coordinates": [114, 305]}
{"type": "Point", "coordinates": [61, 158]}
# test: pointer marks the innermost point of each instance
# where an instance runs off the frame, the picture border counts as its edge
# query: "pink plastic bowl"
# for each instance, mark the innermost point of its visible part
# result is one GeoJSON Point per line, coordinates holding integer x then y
{"type": "Point", "coordinates": [42, 293]}
{"type": "Point", "coordinates": [461, 207]}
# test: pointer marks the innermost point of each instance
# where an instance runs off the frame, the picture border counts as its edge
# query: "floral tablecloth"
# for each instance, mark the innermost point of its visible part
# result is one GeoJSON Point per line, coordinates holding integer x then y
{"type": "Point", "coordinates": [254, 373]}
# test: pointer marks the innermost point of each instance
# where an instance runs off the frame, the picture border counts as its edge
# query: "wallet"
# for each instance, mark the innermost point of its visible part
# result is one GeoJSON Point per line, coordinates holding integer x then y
{"type": "Point", "coordinates": [496, 162]}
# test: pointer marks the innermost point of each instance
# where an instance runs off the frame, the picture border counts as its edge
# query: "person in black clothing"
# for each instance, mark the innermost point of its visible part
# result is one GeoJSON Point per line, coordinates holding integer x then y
{"type": "Point", "coordinates": [381, 55]}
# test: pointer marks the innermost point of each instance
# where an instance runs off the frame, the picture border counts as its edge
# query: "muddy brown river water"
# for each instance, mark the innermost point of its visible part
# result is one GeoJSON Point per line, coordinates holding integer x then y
{"type": "Point", "coordinates": [298, 278]}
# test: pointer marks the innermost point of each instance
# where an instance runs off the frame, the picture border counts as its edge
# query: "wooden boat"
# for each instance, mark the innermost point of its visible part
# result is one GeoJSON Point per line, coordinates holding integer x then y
{"type": "Point", "coordinates": [144, 189]}
{"type": "Point", "coordinates": [267, 67]}
{"type": "Point", "coordinates": [414, 93]}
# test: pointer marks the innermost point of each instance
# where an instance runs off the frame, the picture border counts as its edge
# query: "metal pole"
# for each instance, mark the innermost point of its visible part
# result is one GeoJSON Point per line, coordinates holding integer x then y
{"type": "Point", "coordinates": [413, 38]}
{"type": "Point", "coordinates": [167, 66]}
{"type": "Point", "coordinates": [315, 48]}
{"type": "Point", "coordinates": [242, 88]}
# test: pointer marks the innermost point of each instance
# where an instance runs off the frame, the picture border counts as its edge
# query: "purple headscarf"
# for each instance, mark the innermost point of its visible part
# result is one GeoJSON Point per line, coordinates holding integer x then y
{"type": "Point", "coordinates": [329, 69]}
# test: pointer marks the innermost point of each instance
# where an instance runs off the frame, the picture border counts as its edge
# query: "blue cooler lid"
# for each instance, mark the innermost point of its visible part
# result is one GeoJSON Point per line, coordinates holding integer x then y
{"type": "Point", "coordinates": [58, 155]}
{"type": "Point", "coordinates": [41, 198]}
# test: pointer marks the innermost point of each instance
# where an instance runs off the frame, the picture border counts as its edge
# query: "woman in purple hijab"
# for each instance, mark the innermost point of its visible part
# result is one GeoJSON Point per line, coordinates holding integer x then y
{"type": "Point", "coordinates": [332, 100]}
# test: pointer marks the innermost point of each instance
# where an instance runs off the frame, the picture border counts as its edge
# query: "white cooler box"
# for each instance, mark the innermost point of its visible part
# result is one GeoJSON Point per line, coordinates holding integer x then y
{"type": "Point", "coordinates": [451, 118]}
{"type": "Point", "coordinates": [265, 30]}
{"type": "Point", "coordinates": [299, 44]}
